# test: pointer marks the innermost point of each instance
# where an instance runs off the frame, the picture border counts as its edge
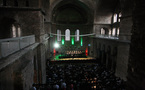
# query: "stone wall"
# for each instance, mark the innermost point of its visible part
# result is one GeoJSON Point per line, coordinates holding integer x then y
{"type": "Point", "coordinates": [122, 60]}
{"type": "Point", "coordinates": [18, 75]}
{"type": "Point", "coordinates": [136, 70]}
{"type": "Point", "coordinates": [113, 54]}
{"type": "Point", "coordinates": [105, 51]}
{"type": "Point", "coordinates": [30, 22]}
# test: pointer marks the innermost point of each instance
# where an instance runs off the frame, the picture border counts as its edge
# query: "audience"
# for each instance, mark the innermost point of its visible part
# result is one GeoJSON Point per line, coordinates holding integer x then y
{"type": "Point", "coordinates": [81, 77]}
{"type": "Point", "coordinates": [33, 87]}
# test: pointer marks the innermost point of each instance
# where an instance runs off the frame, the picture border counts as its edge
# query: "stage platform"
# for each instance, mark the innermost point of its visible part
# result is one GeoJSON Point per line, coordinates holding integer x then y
{"type": "Point", "coordinates": [56, 59]}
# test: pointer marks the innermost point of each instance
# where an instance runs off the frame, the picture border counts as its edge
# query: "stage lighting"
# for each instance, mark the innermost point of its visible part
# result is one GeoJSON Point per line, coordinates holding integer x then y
{"type": "Point", "coordinates": [62, 41]}
{"type": "Point", "coordinates": [81, 41]}
{"type": "Point", "coordinates": [56, 45]}
{"type": "Point", "coordinates": [72, 41]}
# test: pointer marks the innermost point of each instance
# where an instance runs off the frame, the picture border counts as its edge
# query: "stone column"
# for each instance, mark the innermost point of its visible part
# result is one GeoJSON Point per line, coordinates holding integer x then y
{"type": "Point", "coordinates": [122, 60]}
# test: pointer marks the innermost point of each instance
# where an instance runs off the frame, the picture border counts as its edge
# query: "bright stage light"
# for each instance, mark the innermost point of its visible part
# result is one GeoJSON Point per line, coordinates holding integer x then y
{"type": "Point", "coordinates": [62, 41]}
{"type": "Point", "coordinates": [81, 41]}
{"type": "Point", "coordinates": [72, 41]}
{"type": "Point", "coordinates": [56, 45]}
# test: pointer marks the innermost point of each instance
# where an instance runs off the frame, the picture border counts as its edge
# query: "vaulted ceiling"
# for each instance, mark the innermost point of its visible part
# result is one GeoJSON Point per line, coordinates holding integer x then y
{"type": "Point", "coordinates": [79, 12]}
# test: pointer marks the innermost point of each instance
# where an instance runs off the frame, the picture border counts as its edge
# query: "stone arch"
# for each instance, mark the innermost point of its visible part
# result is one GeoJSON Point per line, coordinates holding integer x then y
{"type": "Point", "coordinates": [106, 31]}
{"type": "Point", "coordinates": [72, 14]}
{"type": "Point", "coordinates": [5, 26]}
{"type": "Point", "coordinates": [83, 5]}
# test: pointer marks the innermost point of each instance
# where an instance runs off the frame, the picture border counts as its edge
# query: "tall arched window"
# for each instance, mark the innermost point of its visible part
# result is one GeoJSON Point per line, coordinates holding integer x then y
{"type": "Point", "coordinates": [117, 32]}
{"type": "Point", "coordinates": [109, 32]}
{"type": "Point", "coordinates": [119, 17]}
{"type": "Point", "coordinates": [19, 31]}
{"type": "Point", "coordinates": [67, 35]}
{"type": "Point", "coordinates": [13, 31]}
{"type": "Point", "coordinates": [115, 18]}
{"type": "Point", "coordinates": [77, 33]}
{"type": "Point", "coordinates": [58, 35]}
{"type": "Point", "coordinates": [114, 32]}
{"type": "Point", "coordinates": [102, 31]}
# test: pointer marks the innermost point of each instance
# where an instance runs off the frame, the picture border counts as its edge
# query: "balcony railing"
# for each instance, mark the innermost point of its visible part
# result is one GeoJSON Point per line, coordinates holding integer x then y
{"type": "Point", "coordinates": [11, 45]}
{"type": "Point", "coordinates": [107, 37]}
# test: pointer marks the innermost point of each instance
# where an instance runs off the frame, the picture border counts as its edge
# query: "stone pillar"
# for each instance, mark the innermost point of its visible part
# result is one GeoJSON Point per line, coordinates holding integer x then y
{"type": "Point", "coordinates": [124, 39]}
{"type": "Point", "coordinates": [42, 50]}
{"type": "Point", "coordinates": [126, 20]}
{"type": "Point", "coordinates": [136, 70]}
{"type": "Point", "coordinates": [42, 63]}
{"type": "Point", "coordinates": [122, 60]}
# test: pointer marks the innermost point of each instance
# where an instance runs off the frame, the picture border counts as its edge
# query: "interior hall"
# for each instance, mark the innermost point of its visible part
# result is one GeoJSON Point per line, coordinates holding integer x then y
{"type": "Point", "coordinates": [72, 45]}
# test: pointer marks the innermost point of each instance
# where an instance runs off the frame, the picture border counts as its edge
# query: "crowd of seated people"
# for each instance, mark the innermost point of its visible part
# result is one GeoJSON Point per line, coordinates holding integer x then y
{"type": "Point", "coordinates": [81, 77]}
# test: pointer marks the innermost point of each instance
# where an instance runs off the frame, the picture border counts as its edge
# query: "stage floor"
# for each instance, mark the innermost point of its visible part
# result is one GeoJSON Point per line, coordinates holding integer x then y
{"type": "Point", "coordinates": [56, 58]}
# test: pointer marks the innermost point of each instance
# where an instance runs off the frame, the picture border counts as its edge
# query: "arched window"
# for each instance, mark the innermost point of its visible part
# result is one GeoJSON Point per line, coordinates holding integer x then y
{"type": "Point", "coordinates": [115, 18]}
{"type": "Point", "coordinates": [109, 32]}
{"type": "Point", "coordinates": [58, 35]}
{"type": "Point", "coordinates": [102, 31]}
{"type": "Point", "coordinates": [114, 32]}
{"type": "Point", "coordinates": [77, 33]}
{"type": "Point", "coordinates": [67, 35]}
{"type": "Point", "coordinates": [13, 31]}
{"type": "Point", "coordinates": [117, 32]}
{"type": "Point", "coordinates": [120, 15]}
{"type": "Point", "coordinates": [19, 31]}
